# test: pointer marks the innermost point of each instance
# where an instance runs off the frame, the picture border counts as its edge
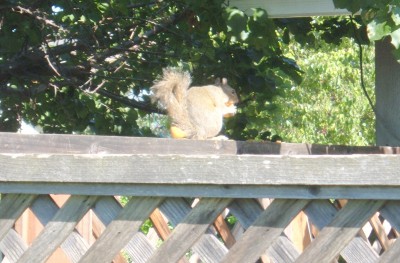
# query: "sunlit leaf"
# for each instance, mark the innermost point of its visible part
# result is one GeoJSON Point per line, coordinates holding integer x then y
{"type": "Point", "coordinates": [395, 38]}
{"type": "Point", "coordinates": [378, 30]}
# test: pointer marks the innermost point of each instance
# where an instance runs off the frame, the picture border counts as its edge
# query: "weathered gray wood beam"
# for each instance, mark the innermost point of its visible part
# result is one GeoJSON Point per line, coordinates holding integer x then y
{"type": "Point", "coordinates": [324, 170]}
{"type": "Point", "coordinates": [207, 190]}
{"type": "Point", "coordinates": [290, 8]}
{"type": "Point", "coordinates": [80, 144]}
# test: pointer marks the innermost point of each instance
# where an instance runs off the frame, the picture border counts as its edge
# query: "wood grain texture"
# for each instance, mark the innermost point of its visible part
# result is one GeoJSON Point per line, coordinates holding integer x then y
{"type": "Point", "coordinates": [139, 248]}
{"type": "Point", "coordinates": [88, 144]}
{"type": "Point", "coordinates": [207, 248]}
{"type": "Point", "coordinates": [321, 213]}
{"type": "Point", "coordinates": [12, 246]}
{"type": "Point", "coordinates": [11, 208]}
{"type": "Point", "coordinates": [391, 212]}
{"type": "Point", "coordinates": [380, 232]}
{"type": "Point", "coordinates": [283, 250]}
{"type": "Point", "coordinates": [206, 190]}
{"type": "Point", "coordinates": [222, 227]}
{"type": "Point", "coordinates": [391, 255]}
{"type": "Point", "coordinates": [265, 229]}
{"type": "Point", "coordinates": [58, 229]}
{"type": "Point", "coordinates": [121, 230]}
{"type": "Point", "coordinates": [344, 227]}
{"type": "Point", "coordinates": [192, 227]}
{"type": "Point", "coordinates": [247, 211]}
{"type": "Point", "coordinates": [107, 209]}
{"type": "Point", "coordinates": [159, 224]}
{"type": "Point", "coordinates": [74, 245]}
{"type": "Point", "coordinates": [217, 170]}
{"type": "Point", "coordinates": [360, 170]}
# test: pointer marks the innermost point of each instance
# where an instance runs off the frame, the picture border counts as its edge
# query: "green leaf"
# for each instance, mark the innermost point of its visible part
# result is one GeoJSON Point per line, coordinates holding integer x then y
{"type": "Point", "coordinates": [395, 35]}
{"type": "Point", "coordinates": [378, 30]}
{"type": "Point", "coordinates": [70, 17]}
{"type": "Point", "coordinates": [103, 7]}
{"type": "Point", "coordinates": [236, 21]}
{"type": "Point", "coordinates": [82, 19]}
{"type": "Point", "coordinates": [396, 15]}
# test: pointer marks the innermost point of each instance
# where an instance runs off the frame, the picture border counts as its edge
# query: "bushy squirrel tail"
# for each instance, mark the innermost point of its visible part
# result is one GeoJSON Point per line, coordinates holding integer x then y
{"type": "Point", "coordinates": [170, 90]}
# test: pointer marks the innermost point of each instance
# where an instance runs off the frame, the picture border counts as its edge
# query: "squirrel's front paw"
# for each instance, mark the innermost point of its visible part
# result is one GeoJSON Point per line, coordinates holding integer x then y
{"type": "Point", "coordinates": [230, 111]}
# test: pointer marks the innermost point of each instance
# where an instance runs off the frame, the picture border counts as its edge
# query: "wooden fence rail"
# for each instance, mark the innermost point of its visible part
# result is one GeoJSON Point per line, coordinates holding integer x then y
{"type": "Point", "coordinates": [207, 201]}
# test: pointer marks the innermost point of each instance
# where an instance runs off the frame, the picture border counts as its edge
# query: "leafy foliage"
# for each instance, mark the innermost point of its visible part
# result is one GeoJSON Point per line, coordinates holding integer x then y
{"type": "Point", "coordinates": [381, 17]}
{"type": "Point", "coordinates": [328, 107]}
{"type": "Point", "coordinates": [86, 66]}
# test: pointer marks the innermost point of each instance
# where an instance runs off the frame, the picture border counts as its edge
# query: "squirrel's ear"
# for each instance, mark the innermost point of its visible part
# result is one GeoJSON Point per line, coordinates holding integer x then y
{"type": "Point", "coordinates": [224, 81]}
{"type": "Point", "coordinates": [218, 81]}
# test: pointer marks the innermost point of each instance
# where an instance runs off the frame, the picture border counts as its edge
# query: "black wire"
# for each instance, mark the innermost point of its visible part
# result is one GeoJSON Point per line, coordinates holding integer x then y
{"type": "Point", "coordinates": [378, 117]}
{"type": "Point", "coordinates": [360, 52]}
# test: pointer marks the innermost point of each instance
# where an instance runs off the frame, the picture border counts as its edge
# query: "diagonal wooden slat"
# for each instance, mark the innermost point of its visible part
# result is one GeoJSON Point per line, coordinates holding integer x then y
{"type": "Point", "coordinates": [391, 212]}
{"type": "Point", "coordinates": [107, 208]}
{"type": "Point", "coordinates": [392, 254]}
{"type": "Point", "coordinates": [175, 209]}
{"type": "Point", "coordinates": [74, 245]}
{"type": "Point", "coordinates": [58, 229]}
{"type": "Point", "coordinates": [13, 246]}
{"type": "Point", "coordinates": [208, 250]}
{"type": "Point", "coordinates": [224, 231]}
{"type": "Point", "coordinates": [120, 230]}
{"type": "Point", "coordinates": [282, 250]}
{"type": "Point", "coordinates": [138, 248]}
{"type": "Point", "coordinates": [11, 208]}
{"type": "Point", "coordinates": [162, 229]}
{"type": "Point", "coordinates": [380, 233]}
{"type": "Point", "coordinates": [264, 231]}
{"type": "Point", "coordinates": [333, 238]}
{"type": "Point", "coordinates": [159, 224]}
{"type": "Point", "coordinates": [190, 229]}
{"type": "Point", "coordinates": [246, 211]}
{"type": "Point", "coordinates": [321, 213]}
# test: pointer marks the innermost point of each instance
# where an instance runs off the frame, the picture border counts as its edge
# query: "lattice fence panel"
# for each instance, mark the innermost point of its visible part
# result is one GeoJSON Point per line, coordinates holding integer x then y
{"type": "Point", "coordinates": [197, 230]}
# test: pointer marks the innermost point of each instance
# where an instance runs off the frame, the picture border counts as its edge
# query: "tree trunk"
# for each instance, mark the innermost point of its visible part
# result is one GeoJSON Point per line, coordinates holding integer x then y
{"type": "Point", "coordinates": [387, 91]}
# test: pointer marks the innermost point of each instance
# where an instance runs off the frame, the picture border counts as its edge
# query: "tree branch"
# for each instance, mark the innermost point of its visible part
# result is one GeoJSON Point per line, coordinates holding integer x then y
{"type": "Point", "coordinates": [37, 15]}
{"type": "Point", "coordinates": [129, 102]}
{"type": "Point", "coordinates": [173, 20]}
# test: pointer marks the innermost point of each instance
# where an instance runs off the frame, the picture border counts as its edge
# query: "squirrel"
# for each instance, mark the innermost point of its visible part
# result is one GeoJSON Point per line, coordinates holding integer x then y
{"type": "Point", "coordinates": [195, 112]}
